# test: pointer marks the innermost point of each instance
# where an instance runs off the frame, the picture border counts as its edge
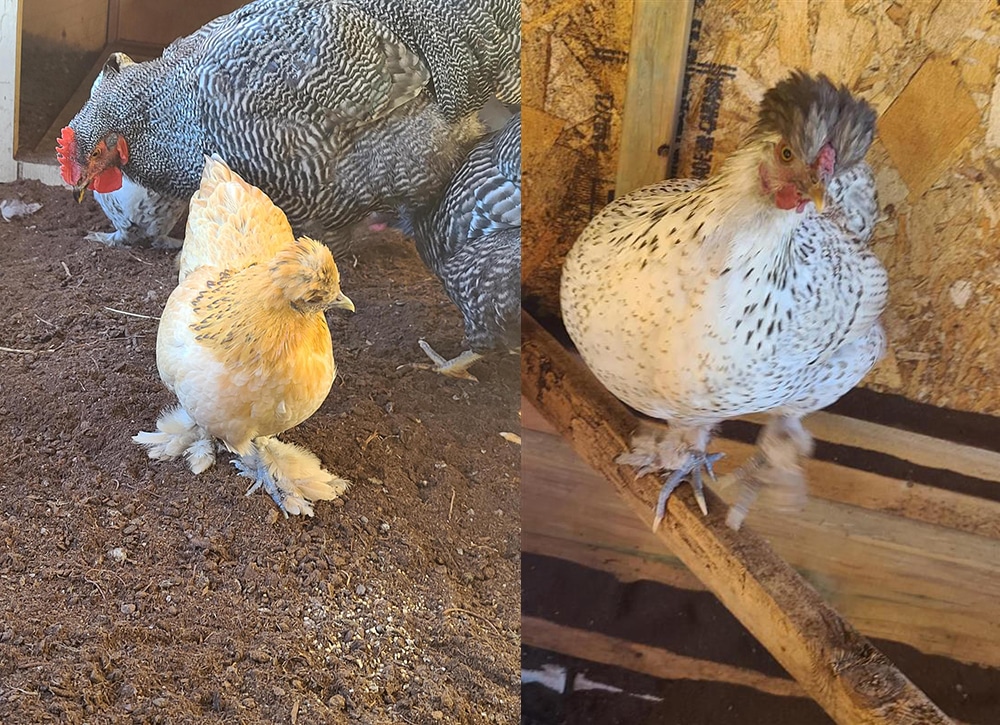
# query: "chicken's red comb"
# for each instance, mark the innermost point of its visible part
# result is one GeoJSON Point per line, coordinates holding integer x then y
{"type": "Point", "coordinates": [826, 159]}
{"type": "Point", "coordinates": [69, 166]}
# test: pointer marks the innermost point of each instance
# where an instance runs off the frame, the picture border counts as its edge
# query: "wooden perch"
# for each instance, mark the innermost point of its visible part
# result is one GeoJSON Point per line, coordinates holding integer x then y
{"type": "Point", "coordinates": [836, 665]}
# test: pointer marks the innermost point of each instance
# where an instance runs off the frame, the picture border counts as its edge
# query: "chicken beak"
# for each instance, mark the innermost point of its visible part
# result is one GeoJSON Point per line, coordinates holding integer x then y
{"type": "Point", "coordinates": [817, 192]}
{"type": "Point", "coordinates": [85, 181]}
{"type": "Point", "coordinates": [343, 302]}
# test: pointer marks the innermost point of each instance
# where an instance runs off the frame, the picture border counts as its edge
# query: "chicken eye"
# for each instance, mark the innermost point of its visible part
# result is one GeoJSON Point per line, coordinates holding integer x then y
{"type": "Point", "coordinates": [785, 153]}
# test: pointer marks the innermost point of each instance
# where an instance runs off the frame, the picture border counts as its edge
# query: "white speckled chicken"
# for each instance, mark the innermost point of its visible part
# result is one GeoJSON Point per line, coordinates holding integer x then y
{"type": "Point", "coordinates": [335, 108]}
{"type": "Point", "coordinates": [244, 344]}
{"type": "Point", "coordinates": [754, 291]}
{"type": "Point", "coordinates": [471, 239]}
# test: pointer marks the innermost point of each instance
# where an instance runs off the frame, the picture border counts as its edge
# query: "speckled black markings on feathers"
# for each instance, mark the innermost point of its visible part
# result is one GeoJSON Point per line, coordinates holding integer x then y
{"type": "Point", "coordinates": [471, 239]}
{"type": "Point", "coordinates": [333, 108]}
{"type": "Point", "coordinates": [694, 322]}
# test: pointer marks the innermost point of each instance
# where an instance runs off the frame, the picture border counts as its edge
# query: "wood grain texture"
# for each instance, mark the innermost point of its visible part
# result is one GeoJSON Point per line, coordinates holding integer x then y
{"type": "Point", "coordinates": [9, 52]}
{"type": "Point", "coordinates": [657, 59]}
{"type": "Point", "coordinates": [660, 663]}
{"type": "Point", "coordinates": [926, 124]}
{"type": "Point", "coordinates": [835, 665]}
{"type": "Point", "coordinates": [574, 68]}
{"type": "Point", "coordinates": [892, 577]}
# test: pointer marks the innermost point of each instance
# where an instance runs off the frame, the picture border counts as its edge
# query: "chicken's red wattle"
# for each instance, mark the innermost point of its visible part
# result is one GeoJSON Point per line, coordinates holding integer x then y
{"type": "Point", "coordinates": [107, 181]}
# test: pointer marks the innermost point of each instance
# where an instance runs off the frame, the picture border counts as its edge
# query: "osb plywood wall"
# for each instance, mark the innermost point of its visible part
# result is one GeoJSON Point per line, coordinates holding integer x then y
{"type": "Point", "coordinates": [574, 64]}
{"type": "Point", "coordinates": [930, 68]}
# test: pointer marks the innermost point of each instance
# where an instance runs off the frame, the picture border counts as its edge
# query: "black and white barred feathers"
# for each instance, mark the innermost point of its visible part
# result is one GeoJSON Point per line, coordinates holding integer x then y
{"type": "Point", "coordinates": [471, 239]}
{"type": "Point", "coordinates": [335, 108]}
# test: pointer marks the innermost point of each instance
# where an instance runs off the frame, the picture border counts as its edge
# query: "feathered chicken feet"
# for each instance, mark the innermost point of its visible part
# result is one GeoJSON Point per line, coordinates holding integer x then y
{"type": "Point", "coordinates": [291, 475]}
{"type": "Point", "coordinates": [697, 460]}
{"type": "Point", "coordinates": [457, 367]}
{"type": "Point", "coordinates": [177, 435]}
{"type": "Point", "coordinates": [122, 238]}
{"type": "Point", "coordinates": [775, 465]}
{"type": "Point", "coordinates": [678, 449]}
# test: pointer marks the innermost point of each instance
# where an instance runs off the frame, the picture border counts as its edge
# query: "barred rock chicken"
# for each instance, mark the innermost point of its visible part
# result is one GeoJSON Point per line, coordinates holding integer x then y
{"type": "Point", "coordinates": [752, 292]}
{"type": "Point", "coordinates": [471, 239]}
{"type": "Point", "coordinates": [335, 108]}
{"type": "Point", "coordinates": [244, 344]}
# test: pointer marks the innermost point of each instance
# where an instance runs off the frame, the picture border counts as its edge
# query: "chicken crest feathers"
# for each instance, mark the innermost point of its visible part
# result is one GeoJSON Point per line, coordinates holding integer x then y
{"type": "Point", "coordinates": [810, 111]}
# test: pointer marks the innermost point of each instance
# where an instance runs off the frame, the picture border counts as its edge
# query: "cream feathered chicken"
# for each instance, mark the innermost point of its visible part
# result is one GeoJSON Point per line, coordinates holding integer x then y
{"type": "Point", "coordinates": [244, 344]}
{"type": "Point", "coordinates": [755, 291]}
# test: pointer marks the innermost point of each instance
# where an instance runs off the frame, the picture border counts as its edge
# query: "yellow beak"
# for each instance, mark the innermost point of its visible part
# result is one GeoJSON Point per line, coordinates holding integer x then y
{"type": "Point", "coordinates": [817, 192]}
{"type": "Point", "coordinates": [343, 302]}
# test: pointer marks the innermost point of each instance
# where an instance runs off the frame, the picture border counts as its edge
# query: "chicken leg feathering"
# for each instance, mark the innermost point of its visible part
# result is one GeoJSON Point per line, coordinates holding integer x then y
{"type": "Point", "coordinates": [244, 344]}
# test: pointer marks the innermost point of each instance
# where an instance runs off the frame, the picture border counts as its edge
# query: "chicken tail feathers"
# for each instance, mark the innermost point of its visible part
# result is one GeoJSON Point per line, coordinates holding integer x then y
{"type": "Point", "coordinates": [176, 435]}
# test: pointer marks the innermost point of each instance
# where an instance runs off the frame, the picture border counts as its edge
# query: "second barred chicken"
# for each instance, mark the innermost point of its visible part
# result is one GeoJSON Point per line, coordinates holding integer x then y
{"type": "Point", "coordinates": [244, 344]}
{"type": "Point", "coordinates": [471, 239]}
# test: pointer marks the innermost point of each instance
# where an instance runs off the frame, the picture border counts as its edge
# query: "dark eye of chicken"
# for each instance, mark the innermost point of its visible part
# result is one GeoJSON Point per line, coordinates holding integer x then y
{"type": "Point", "coordinates": [755, 291]}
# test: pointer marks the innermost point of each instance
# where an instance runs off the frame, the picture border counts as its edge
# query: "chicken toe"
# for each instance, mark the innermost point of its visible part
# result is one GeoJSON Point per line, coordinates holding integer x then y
{"type": "Point", "coordinates": [251, 466]}
{"type": "Point", "coordinates": [691, 470]}
{"type": "Point", "coordinates": [457, 367]}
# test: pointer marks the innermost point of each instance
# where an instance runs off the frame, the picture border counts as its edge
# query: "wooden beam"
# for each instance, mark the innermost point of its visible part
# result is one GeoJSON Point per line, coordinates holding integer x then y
{"type": "Point", "coordinates": [928, 586]}
{"type": "Point", "coordinates": [597, 647]}
{"type": "Point", "coordinates": [657, 59]}
{"type": "Point", "coordinates": [836, 666]}
{"type": "Point", "coordinates": [10, 50]}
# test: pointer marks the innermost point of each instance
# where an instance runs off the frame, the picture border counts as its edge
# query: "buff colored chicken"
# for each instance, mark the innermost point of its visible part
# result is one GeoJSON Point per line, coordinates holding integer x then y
{"type": "Point", "coordinates": [244, 344]}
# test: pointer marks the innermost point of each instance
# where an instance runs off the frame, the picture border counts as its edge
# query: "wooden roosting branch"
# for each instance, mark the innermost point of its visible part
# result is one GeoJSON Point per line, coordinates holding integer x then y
{"type": "Point", "coordinates": [836, 665]}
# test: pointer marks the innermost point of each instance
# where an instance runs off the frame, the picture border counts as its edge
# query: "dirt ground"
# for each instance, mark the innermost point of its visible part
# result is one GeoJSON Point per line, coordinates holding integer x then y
{"type": "Point", "coordinates": [133, 591]}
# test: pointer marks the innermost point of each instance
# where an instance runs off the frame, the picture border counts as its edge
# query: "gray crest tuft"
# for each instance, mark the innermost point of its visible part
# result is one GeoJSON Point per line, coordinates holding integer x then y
{"type": "Point", "coordinates": [810, 111]}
